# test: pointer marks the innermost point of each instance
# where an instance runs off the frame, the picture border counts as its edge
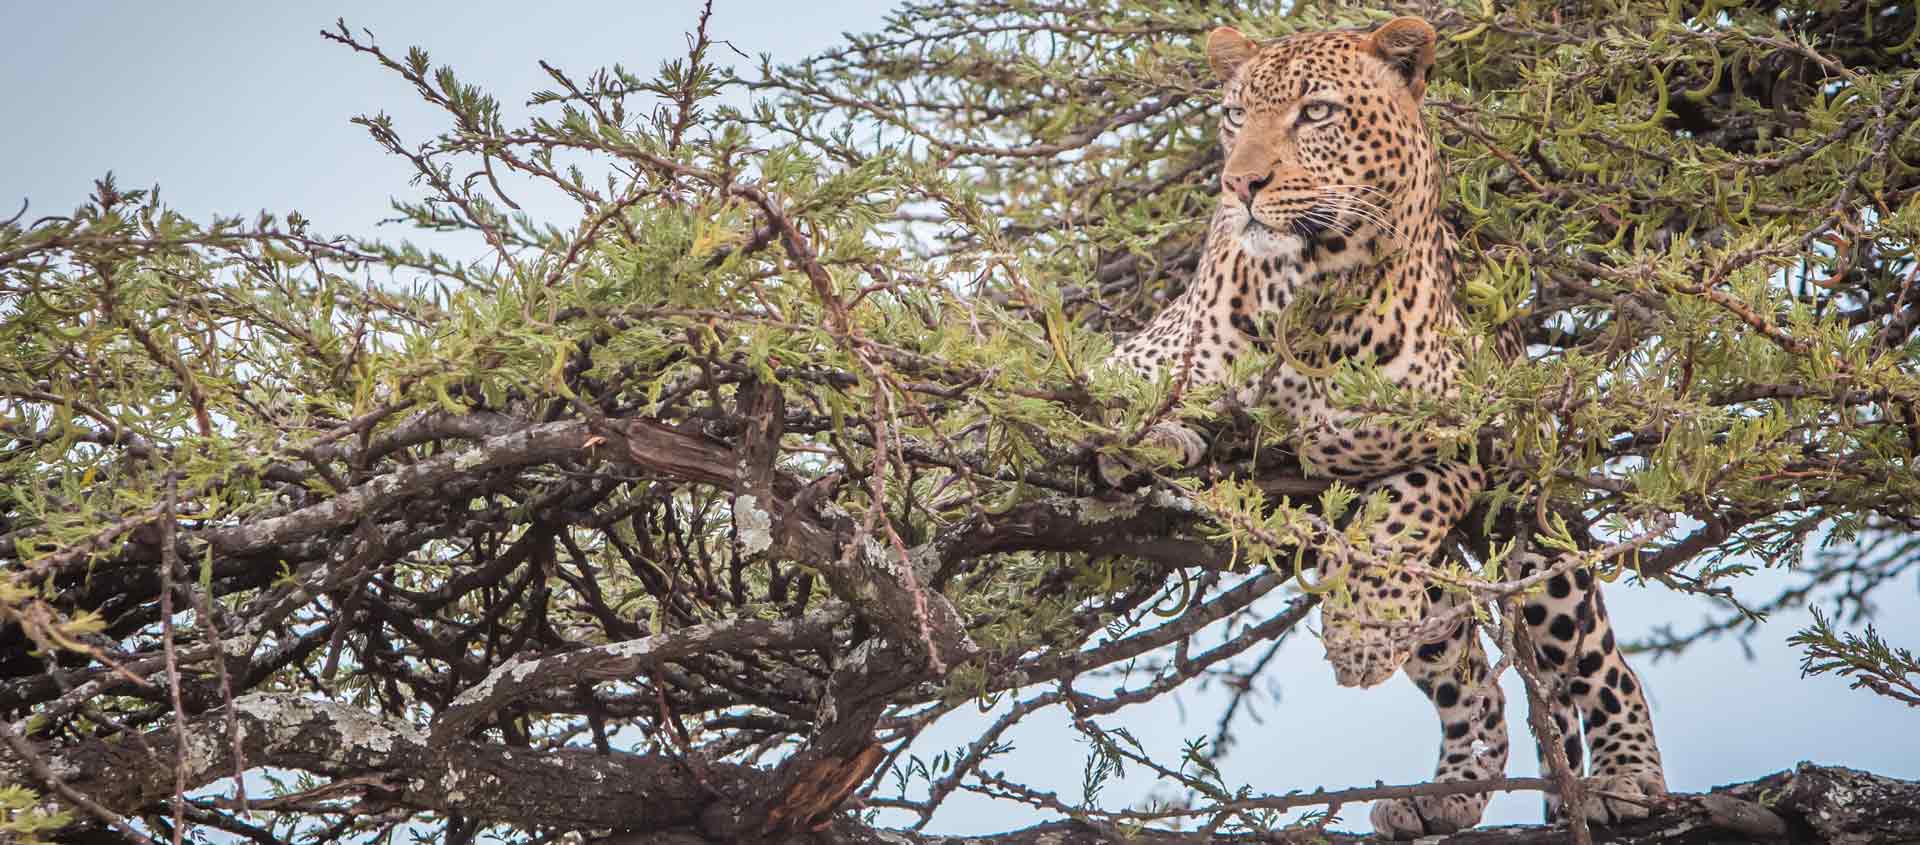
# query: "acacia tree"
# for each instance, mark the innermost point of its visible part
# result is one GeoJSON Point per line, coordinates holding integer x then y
{"type": "Point", "coordinates": [684, 517]}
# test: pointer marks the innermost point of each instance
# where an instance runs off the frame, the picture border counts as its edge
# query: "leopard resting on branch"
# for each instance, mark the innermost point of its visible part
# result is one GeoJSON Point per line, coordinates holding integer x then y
{"type": "Point", "coordinates": [1332, 181]}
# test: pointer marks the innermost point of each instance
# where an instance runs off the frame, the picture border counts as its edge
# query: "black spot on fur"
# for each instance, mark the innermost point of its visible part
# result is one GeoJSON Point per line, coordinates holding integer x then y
{"type": "Point", "coordinates": [1535, 613]}
{"type": "Point", "coordinates": [1562, 628]}
{"type": "Point", "coordinates": [1590, 662]}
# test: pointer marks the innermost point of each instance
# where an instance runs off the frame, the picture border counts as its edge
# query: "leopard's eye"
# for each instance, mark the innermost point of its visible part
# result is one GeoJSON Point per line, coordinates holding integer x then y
{"type": "Point", "coordinates": [1316, 112]}
{"type": "Point", "coordinates": [1236, 116]}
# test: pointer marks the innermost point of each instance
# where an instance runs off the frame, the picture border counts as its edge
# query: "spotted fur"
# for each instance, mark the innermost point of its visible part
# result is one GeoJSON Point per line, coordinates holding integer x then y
{"type": "Point", "coordinates": [1329, 219]}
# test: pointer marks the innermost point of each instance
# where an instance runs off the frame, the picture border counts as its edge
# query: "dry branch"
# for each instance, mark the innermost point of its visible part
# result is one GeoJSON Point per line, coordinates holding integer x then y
{"type": "Point", "coordinates": [658, 801]}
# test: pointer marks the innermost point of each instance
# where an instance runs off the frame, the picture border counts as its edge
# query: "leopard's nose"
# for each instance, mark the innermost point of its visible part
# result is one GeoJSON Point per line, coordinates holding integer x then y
{"type": "Point", "coordinates": [1245, 185]}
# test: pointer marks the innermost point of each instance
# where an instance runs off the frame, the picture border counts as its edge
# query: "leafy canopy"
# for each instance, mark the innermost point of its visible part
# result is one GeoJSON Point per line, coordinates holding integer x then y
{"type": "Point", "coordinates": [820, 347]}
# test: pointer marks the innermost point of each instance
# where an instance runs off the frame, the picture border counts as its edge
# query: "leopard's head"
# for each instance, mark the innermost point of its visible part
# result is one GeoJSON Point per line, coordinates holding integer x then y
{"type": "Point", "coordinates": [1324, 142]}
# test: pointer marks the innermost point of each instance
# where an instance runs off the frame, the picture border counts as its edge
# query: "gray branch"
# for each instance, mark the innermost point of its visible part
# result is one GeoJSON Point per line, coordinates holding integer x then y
{"type": "Point", "coordinates": [572, 788]}
{"type": "Point", "coordinates": [657, 801]}
{"type": "Point", "coordinates": [1807, 805]}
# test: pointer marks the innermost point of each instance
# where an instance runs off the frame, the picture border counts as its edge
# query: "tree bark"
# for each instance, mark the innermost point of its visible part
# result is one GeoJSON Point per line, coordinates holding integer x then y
{"type": "Point", "coordinates": [1807, 805]}
{"type": "Point", "coordinates": [659, 800]}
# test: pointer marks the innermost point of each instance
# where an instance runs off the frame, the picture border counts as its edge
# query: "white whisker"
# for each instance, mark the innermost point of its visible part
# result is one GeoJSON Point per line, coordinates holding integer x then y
{"type": "Point", "coordinates": [1352, 200]}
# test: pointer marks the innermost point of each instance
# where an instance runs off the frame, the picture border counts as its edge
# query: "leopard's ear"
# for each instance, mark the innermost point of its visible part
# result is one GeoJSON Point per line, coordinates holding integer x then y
{"type": "Point", "coordinates": [1406, 45]}
{"type": "Point", "coordinates": [1227, 50]}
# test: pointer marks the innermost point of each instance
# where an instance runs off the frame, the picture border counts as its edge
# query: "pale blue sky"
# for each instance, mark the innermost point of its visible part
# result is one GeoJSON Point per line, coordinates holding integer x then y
{"type": "Point", "coordinates": [235, 107]}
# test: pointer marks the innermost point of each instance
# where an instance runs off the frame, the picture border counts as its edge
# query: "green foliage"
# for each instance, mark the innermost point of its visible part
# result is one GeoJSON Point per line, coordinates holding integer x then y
{"type": "Point", "coordinates": [1867, 659]}
{"type": "Point", "coordinates": [1700, 218]}
{"type": "Point", "coordinates": [24, 818]}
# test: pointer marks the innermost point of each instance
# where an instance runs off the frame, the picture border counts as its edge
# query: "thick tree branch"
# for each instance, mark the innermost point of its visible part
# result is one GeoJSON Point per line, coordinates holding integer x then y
{"type": "Point", "coordinates": [1808, 805]}
{"type": "Point", "coordinates": [657, 799]}
{"type": "Point", "coordinates": [398, 765]}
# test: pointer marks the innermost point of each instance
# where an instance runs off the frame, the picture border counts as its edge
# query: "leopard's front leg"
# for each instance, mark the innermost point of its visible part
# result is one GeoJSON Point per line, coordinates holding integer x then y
{"type": "Point", "coordinates": [1423, 504]}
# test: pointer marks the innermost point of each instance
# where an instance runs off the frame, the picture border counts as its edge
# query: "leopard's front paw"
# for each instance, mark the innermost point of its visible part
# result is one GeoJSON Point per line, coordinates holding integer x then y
{"type": "Point", "coordinates": [1361, 656]}
{"type": "Point", "coordinates": [1427, 815]}
{"type": "Point", "coordinates": [1365, 661]}
{"type": "Point", "coordinates": [1187, 446]}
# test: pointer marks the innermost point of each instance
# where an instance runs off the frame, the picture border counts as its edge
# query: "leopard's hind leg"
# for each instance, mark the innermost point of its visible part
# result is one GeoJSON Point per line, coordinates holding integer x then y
{"type": "Point", "coordinates": [1575, 643]}
{"type": "Point", "coordinates": [1454, 674]}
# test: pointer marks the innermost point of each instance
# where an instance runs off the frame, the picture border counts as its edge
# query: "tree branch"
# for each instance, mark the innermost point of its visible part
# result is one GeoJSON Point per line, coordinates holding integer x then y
{"type": "Point", "coordinates": [657, 800]}
{"type": "Point", "coordinates": [624, 660]}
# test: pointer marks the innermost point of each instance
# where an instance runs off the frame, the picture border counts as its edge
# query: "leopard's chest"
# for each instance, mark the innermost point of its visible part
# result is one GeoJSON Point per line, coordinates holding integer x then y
{"type": "Point", "coordinates": [1334, 439]}
{"type": "Point", "coordinates": [1385, 307]}
{"type": "Point", "coordinates": [1337, 438]}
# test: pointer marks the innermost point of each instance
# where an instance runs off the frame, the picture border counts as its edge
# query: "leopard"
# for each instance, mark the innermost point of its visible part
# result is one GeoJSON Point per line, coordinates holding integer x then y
{"type": "Point", "coordinates": [1332, 182]}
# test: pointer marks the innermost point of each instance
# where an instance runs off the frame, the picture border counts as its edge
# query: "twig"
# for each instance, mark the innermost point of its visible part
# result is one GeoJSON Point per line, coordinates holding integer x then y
{"type": "Point", "coordinates": [24, 750]}
{"type": "Point", "coordinates": [170, 558]}
{"type": "Point", "coordinates": [1519, 646]}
